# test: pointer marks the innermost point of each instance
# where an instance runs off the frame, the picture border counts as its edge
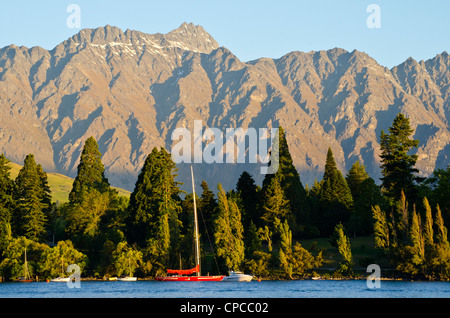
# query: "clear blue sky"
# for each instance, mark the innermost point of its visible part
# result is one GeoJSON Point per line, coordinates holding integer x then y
{"type": "Point", "coordinates": [249, 28]}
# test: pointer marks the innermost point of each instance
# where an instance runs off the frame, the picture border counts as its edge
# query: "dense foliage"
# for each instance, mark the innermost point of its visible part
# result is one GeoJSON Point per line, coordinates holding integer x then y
{"type": "Point", "coordinates": [252, 228]}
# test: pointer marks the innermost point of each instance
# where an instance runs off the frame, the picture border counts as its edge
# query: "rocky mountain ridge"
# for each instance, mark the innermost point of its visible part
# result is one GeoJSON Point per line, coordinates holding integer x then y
{"type": "Point", "coordinates": [130, 90]}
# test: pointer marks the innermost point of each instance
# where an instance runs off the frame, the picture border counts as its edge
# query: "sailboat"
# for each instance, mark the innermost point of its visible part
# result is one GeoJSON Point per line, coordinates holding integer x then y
{"type": "Point", "coordinates": [187, 274]}
{"type": "Point", "coordinates": [26, 275]}
{"type": "Point", "coordinates": [129, 278]}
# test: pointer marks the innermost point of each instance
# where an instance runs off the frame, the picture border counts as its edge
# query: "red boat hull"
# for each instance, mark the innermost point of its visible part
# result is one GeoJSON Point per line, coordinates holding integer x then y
{"type": "Point", "coordinates": [190, 278]}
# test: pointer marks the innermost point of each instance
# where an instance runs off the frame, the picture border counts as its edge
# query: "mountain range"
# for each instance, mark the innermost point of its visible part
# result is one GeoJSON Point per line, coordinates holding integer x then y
{"type": "Point", "coordinates": [130, 90]}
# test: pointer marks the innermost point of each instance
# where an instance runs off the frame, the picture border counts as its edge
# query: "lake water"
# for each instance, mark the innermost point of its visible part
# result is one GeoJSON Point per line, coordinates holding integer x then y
{"type": "Point", "coordinates": [229, 290]}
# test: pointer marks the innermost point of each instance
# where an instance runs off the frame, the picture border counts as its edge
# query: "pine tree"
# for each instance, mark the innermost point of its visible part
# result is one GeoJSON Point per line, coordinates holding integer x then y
{"type": "Point", "coordinates": [155, 206]}
{"type": "Point", "coordinates": [276, 206]}
{"type": "Point", "coordinates": [6, 202]}
{"type": "Point", "coordinates": [355, 177]}
{"type": "Point", "coordinates": [90, 201]}
{"type": "Point", "coordinates": [366, 194]}
{"type": "Point", "coordinates": [252, 241]}
{"type": "Point", "coordinates": [229, 231]}
{"type": "Point", "coordinates": [335, 187]}
{"type": "Point", "coordinates": [91, 173]}
{"type": "Point", "coordinates": [397, 165]}
{"type": "Point", "coordinates": [335, 196]}
{"type": "Point", "coordinates": [248, 192]}
{"type": "Point", "coordinates": [6, 191]}
{"type": "Point", "coordinates": [29, 216]}
{"type": "Point", "coordinates": [46, 193]}
{"type": "Point", "coordinates": [290, 184]}
{"type": "Point", "coordinates": [207, 207]}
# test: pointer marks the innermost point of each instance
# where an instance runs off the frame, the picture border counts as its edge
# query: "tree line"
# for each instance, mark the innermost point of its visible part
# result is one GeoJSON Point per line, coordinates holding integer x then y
{"type": "Point", "coordinates": [250, 228]}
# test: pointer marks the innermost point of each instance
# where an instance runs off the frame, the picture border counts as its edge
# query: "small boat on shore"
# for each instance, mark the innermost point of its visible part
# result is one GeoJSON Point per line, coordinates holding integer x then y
{"type": "Point", "coordinates": [237, 277]}
{"type": "Point", "coordinates": [129, 278]}
{"type": "Point", "coordinates": [126, 279]}
{"type": "Point", "coordinates": [61, 279]}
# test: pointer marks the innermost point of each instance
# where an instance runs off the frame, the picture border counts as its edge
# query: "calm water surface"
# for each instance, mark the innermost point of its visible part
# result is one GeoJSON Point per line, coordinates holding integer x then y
{"type": "Point", "coordinates": [254, 289]}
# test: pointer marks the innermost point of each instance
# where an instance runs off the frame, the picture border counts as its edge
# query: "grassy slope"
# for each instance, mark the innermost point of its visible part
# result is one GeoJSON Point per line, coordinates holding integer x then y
{"type": "Point", "coordinates": [59, 184]}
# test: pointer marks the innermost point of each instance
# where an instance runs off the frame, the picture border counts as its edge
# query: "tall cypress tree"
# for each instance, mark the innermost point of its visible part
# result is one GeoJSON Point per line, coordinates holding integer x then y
{"type": "Point", "coordinates": [229, 232]}
{"type": "Point", "coordinates": [397, 164]}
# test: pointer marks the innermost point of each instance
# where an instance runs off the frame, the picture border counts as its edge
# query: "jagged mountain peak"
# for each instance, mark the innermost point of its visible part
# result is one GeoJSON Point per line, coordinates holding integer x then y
{"type": "Point", "coordinates": [193, 37]}
{"type": "Point", "coordinates": [101, 35]}
{"type": "Point", "coordinates": [188, 37]}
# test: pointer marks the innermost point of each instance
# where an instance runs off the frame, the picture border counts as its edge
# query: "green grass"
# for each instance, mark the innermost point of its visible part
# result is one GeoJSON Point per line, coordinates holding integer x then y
{"type": "Point", "coordinates": [60, 185]}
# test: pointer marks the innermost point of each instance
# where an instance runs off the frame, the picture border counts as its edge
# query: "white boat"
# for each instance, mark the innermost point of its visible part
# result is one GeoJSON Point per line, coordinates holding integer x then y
{"type": "Point", "coordinates": [61, 279]}
{"type": "Point", "coordinates": [127, 279]}
{"type": "Point", "coordinates": [237, 277]}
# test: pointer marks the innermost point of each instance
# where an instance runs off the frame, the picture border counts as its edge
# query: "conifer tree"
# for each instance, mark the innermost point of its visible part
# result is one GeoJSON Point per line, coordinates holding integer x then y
{"type": "Point", "coordinates": [248, 192]}
{"type": "Point", "coordinates": [344, 249]}
{"type": "Point", "coordinates": [154, 208]}
{"type": "Point", "coordinates": [381, 228]}
{"type": "Point", "coordinates": [252, 240]}
{"type": "Point", "coordinates": [208, 207]}
{"type": "Point", "coordinates": [335, 196]}
{"type": "Point", "coordinates": [29, 216]}
{"type": "Point", "coordinates": [416, 247]}
{"type": "Point", "coordinates": [276, 206]}
{"type": "Point", "coordinates": [366, 194]}
{"type": "Point", "coordinates": [291, 185]}
{"type": "Point", "coordinates": [91, 173]}
{"type": "Point", "coordinates": [355, 177]}
{"type": "Point", "coordinates": [397, 164]}
{"type": "Point", "coordinates": [441, 230]}
{"type": "Point", "coordinates": [90, 201]}
{"type": "Point", "coordinates": [6, 202]}
{"type": "Point", "coordinates": [441, 264]}
{"type": "Point", "coordinates": [428, 232]}
{"type": "Point", "coordinates": [6, 191]}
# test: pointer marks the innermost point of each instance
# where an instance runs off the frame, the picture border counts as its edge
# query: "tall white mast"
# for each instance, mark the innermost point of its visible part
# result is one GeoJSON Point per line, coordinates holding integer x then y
{"type": "Point", "coordinates": [197, 245]}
